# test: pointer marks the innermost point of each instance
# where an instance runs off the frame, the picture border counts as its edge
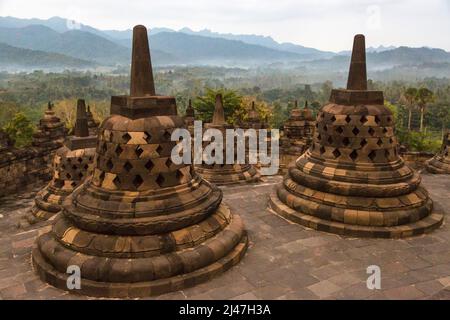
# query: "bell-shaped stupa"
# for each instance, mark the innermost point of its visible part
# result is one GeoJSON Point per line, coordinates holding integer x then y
{"type": "Point", "coordinates": [440, 163]}
{"type": "Point", "coordinates": [189, 117]}
{"type": "Point", "coordinates": [254, 121]}
{"type": "Point", "coordinates": [351, 181]}
{"type": "Point", "coordinates": [51, 130]}
{"type": "Point", "coordinates": [223, 173]}
{"type": "Point", "coordinates": [142, 225]}
{"type": "Point", "coordinates": [72, 164]}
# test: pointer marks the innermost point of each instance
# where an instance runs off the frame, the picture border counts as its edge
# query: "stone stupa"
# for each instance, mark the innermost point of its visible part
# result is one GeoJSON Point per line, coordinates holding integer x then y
{"type": "Point", "coordinates": [226, 174]}
{"type": "Point", "coordinates": [352, 181]}
{"type": "Point", "coordinates": [142, 225]}
{"type": "Point", "coordinates": [440, 163]}
{"type": "Point", "coordinates": [254, 120]}
{"type": "Point", "coordinates": [92, 123]}
{"type": "Point", "coordinates": [51, 131]}
{"type": "Point", "coordinates": [189, 117]}
{"type": "Point", "coordinates": [72, 164]}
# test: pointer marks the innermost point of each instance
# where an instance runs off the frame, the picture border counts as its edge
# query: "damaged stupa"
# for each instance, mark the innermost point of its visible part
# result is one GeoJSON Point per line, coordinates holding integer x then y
{"type": "Point", "coordinates": [142, 225]}
{"type": "Point", "coordinates": [440, 163]}
{"type": "Point", "coordinates": [92, 123]}
{"type": "Point", "coordinates": [223, 173]}
{"type": "Point", "coordinates": [72, 164]}
{"type": "Point", "coordinates": [51, 130]}
{"type": "Point", "coordinates": [352, 181]}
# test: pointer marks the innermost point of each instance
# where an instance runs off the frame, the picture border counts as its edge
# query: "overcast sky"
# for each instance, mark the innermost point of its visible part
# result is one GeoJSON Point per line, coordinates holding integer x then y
{"type": "Point", "coordinates": [324, 24]}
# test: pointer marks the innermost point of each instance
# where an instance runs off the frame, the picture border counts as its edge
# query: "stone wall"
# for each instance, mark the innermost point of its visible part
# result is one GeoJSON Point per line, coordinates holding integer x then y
{"type": "Point", "coordinates": [21, 167]}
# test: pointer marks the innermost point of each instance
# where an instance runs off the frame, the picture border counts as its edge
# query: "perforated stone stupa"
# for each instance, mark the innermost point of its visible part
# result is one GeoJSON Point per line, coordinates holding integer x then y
{"type": "Point", "coordinates": [189, 117]}
{"type": "Point", "coordinates": [440, 163]}
{"type": "Point", "coordinates": [51, 131]}
{"type": "Point", "coordinates": [298, 130]}
{"type": "Point", "coordinates": [72, 164]}
{"type": "Point", "coordinates": [142, 225]}
{"type": "Point", "coordinates": [222, 173]}
{"type": "Point", "coordinates": [254, 121]}
{"type": "Point", "coordinates": [352, 181]}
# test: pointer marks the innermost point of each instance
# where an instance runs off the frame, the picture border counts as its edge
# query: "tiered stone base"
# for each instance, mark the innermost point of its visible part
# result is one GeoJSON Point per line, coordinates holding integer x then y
{"type": "Point", "coordinates": [228, 174]}
{"type": "Point", "coordinates": [425, 225]}
{"type": "Point", "coordinates": [47, 203]}
{"type": "Point", "coordinates": [438, 165]}
{"type": "Point", "coordinates": [139, 266]}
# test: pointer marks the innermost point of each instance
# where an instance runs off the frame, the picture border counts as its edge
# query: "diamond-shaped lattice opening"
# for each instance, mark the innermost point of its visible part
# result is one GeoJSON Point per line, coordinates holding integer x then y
{"type": "Point", "coordinates": [333, 118]}
{"type": "Point", "coordinates": [137, 181]}
{"type": "Point", "coordinates": [118, 150]}
{"type": "Point", "coordinates": [325, 128]}
{"type": "Point", "coordinates": [355, 131]}
{"type": "Point", "coordinates": [380, 142]}
{"type": "Point", "coordinates": [116, 181]}
{"type": "Point", "coordinates": [363, 119]}
{"type": "Point", "coordinates": [336, 153]}
{"type": "Point", "coordinates": [317, 125]}
{"type": "Point", "coordinates": [391, 141]}
{"type": "Point", "coordinates": [127, 166]}
{"type": "Point", "coordinates": [348, 119]}
{"type": "Point", "coordinates": [179, 175]}
{"type": "Point", "coordinates": [86, 166]}
{"type": "Point", "coordinates": [126, 137]}
{"type": "Point", "coordinates": [372, 155]}
{"type": "Point", "coordinates": [74, 167]}
{"type": "Point", "coordinates": [73, 184]}
{"type": "Point", "coordinates": [80, 160]}
{"type": "Point", "coordinates": [387, 154]}
{"type": "Point", "coordinates": [330, 140]}
{"type": "Point", "coordinates": [168, 163]}
{"type": "Point", "coordinates": [160, 180]}
{"type": "Point", "coordinates": [377, 120]}
{"type": "Point", "coordinates": [159, 149]}
{"type": "Point", "coordinates": [363, 143]}
{"type": "Point", "coordinates": [90, 158]}
{"type": "Point", "coordinates": [339, 130]}
{"type": "Point", "coordinates": [58, 183]}
{"type": "Point", "coordinates": [371, 131]}
{"type": "Point", "coordinates": [80, 176]}
{"type": "Point", "coordinates": [385, 130]}
{"type": "Point", "coordinates": [104, 147]}
{"type": "Point", "coordinates": [354, 155]}
{"type": "Point", "coordinates": [109, 164]}
{"type": "Point", "coordinates": [319, 137]}
{"type": "Point", "coordinates": [322, 115]}
{"type": "Point", "coordinates": [388, 119]}
{"type": "Point", "coordinates": [346, 141]}
{"type": "Point", "coordinates": [68, 176]}
{"type": "Point", "coordinates": [149, 165]}
{"type": "Point", "coordinates": [322, 150]}
{"type": "Point", "coordinates": [166, 135]}
{"type": "Point", "coordinates": [63, 166]}
{"type": "Point", "coordinates": [102, 176]}
{"type": "Point", "coordinates": [139, 151]}
{"type": "Point", "coordinates": [147, 137]}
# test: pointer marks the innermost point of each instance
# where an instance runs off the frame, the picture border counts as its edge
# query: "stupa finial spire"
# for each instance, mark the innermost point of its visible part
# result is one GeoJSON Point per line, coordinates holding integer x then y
{"type": "Point", "coordinates": [357, 76]}
{"type": "Point", "coordinates": [81, 124]}
{"type": "Point", "coordinates": [219, 114]}
{"type": "Point", "coordinates": [142, 83]}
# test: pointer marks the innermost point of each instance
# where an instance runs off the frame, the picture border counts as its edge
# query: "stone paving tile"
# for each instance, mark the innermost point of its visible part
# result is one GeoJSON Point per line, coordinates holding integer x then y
{"type": "Point", "coordinates": [284, 260]}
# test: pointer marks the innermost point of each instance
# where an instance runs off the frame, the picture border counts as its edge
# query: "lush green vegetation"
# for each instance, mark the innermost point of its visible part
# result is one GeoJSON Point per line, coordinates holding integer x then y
{"type": "Point", "coordinates": [422, 109]}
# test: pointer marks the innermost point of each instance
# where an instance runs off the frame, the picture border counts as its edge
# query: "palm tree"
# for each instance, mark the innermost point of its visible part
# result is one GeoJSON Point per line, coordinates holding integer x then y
{"type": "Point", "coordinates": [424, 96]}
{"type": "Point", "coordinates": [410, 96]}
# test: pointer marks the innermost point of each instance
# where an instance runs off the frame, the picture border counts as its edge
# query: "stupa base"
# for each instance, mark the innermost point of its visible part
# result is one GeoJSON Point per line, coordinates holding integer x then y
{"type": "Point", "coordinates": [226, 178]}
{"type": "Point", "coordinates": [436, 167]}
{"type": "Point", "coordinates": [426, 225]}
{"type": "Point", "coordinates": [120, 276]}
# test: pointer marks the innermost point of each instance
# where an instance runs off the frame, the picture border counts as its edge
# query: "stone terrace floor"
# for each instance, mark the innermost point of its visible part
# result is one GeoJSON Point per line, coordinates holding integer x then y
{"type": "Point", "coordinates": [284, 260]}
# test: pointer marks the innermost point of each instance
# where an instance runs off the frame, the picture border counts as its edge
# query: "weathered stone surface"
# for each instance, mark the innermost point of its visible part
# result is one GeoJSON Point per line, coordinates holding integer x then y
{"type": "Point", "coordinates": [222, 173]}
{"type": "Point", "coordinates": [92, 123]}
{"type": "Point", "coordinates": [142, 225]}
{"type": "Point", "coordinates": [440, 163]}
{"type": "Point", "coordinates": [51, 131]}
{"type": "Point", "coordinates": [352, 181]}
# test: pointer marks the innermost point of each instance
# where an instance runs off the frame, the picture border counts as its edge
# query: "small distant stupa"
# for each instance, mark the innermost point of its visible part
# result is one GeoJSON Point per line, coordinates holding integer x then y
{"type": "Point", "coordinates": [92, 123]}
{"type": "Point", "coordinates": [440, 163]}
{"type": "Point", "coordinates": [51, 131]}
{"type": "Point", "coordinates": [222, 173]}
{"type": "Point", "coordinates": [72, 164]}
{"type": "Point", "coordinates": [352, 181]}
